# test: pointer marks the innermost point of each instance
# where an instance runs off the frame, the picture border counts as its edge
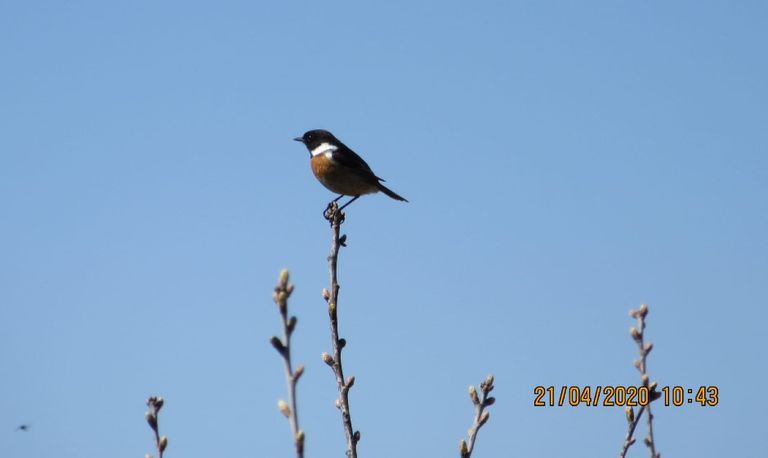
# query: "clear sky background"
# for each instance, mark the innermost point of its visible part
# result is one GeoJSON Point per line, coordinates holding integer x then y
{"type": "Point", "coordinates": [564, 162]}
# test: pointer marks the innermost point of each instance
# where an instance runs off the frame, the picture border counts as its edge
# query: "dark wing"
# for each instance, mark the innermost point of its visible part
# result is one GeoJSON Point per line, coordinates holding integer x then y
{"type": "Point", "coordinates": [349, 158]}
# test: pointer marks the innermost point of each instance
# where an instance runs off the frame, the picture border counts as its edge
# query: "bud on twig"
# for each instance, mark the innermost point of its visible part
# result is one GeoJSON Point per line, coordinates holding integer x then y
{"type": "Point", "coordinates": [278, 344]}
{"type": "Point", "coordinates": [284, 276]}
{"type": "Point", "coordinates": [151, 419]}
{"type": "Point", "coordinates": [484, 418]}
{"type": "Point", "coordinates": [298, 372]}
{"type": "Point", "coordinates": [487, 384]}
{"type": "Point", "coordinates": [282, 406]}
{"type": "Point", "coordinates": [473, 395]}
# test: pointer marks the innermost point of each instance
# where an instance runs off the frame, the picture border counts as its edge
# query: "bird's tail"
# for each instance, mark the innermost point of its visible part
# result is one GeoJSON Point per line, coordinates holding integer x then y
{"type": "Point", "coordinates": [390, 192]}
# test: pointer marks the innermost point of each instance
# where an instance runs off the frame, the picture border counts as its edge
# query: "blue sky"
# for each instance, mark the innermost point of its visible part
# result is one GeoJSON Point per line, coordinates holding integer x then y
{"type": "Point", "coordinates": [564, 162]}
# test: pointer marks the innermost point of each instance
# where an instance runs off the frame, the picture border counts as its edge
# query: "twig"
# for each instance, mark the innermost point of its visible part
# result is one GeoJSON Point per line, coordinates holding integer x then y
{"type": "Point", "coordinates": [336, 218]}
{"type": "Point", "coordinates": [282, 292]}
{"type": "Point", "coordinates": [481, 415]}
{"type": "Point", "coordinates": [632, 422]}
{"type": "Point", "coordinates": [637, 333]}
{"type": "Point", "coordinates": [161, 442]}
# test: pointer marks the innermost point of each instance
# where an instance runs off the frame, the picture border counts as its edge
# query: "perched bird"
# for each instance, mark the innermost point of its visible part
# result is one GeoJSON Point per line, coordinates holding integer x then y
{"type": "Point", "coordinates": [340, 169]}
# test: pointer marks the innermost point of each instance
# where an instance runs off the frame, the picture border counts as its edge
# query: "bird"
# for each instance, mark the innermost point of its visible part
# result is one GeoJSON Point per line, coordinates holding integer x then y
{"type": "Point", "coordinates": [340, 169]}
{"type": "Point", "coordinates": [23, 428]}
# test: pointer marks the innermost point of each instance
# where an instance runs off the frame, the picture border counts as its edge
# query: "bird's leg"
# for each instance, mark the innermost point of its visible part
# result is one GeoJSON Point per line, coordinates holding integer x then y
{"type": "Point", "coordinates": [352, 200]}
{"type": "Point", "coordinates": [337, 199]}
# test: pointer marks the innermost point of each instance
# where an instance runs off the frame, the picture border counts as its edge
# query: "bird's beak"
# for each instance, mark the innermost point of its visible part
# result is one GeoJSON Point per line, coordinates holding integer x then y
{"type": "Point", "coordinates": [299, 139]}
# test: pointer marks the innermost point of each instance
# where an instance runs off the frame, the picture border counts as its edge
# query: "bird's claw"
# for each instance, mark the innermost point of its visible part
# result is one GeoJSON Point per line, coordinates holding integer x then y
{"type": "Point", "coordinates": [333, 214]}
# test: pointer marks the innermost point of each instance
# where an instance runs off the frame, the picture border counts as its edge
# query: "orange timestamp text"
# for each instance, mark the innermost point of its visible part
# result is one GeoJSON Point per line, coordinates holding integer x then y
{"type": "Point", "coordinates": [629, 396]}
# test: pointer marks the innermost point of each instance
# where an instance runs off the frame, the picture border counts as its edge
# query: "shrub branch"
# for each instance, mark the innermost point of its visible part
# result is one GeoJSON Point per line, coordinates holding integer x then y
{"type": "Point", "coordinates": [161, 442]}
{"type": "Point", "coordinates": [282, 292]}
{"type": "Point", "coordinates": [481, 415]}
{"type": "Point", "coordinates": [638, 335]}
{"type": "Point", "coordinates": [336, 218]}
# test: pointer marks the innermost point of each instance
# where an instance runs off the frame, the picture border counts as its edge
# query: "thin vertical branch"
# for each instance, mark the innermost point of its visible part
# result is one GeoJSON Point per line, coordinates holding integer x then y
{"type": "Point", "coordinates": [161, 442]}
{"type": "Point", "coordinates": [481, 415]}
{"type": "Point", "coordinates": [632, 422]}
{"type": "Point", "coordinates": [282, 292]}
{"type": "Point", "coordinates": [336, 218]}
{"type": "Point", "coordinates": [638, 335]}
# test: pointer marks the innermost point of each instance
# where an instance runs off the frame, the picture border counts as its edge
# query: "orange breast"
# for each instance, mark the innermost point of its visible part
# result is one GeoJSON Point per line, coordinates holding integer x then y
{"type": "Point", "coordinates": [341, 179]}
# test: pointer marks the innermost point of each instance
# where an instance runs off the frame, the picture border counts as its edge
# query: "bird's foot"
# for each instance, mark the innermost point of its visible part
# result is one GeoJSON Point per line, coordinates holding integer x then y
{"type": "Point", "coordinates": [333, 213]}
